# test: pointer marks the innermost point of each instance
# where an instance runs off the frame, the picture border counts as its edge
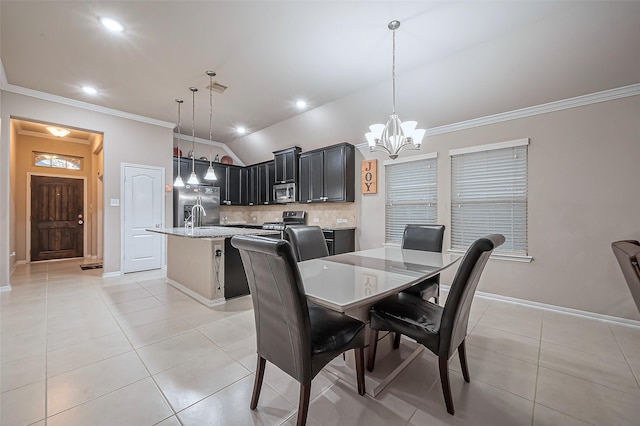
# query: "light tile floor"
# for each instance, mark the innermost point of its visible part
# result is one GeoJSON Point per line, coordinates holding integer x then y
{"type": "Point", "coordinates": [76, 349]}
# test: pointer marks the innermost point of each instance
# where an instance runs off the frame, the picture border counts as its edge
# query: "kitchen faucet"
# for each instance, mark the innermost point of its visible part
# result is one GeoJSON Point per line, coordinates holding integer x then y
{"type": "Point", "coordinates": [198, 206]}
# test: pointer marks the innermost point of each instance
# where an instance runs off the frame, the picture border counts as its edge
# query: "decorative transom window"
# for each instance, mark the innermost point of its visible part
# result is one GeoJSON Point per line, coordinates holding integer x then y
{"type": "Point", "coordinates": [489, 195]}
{"type": "Point", "coordinates": [411, 187]}
{"type": "Point", "coordinates": [57, 161]}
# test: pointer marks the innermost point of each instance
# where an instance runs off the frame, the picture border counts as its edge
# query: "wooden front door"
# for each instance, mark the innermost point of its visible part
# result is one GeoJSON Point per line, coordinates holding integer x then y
{"type": "Point", "coordinates": [57, 217]}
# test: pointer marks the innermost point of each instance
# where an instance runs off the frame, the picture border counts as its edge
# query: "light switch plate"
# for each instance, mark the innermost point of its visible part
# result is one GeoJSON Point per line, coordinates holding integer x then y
{"type": "Point", "coordinates": [114, 202]}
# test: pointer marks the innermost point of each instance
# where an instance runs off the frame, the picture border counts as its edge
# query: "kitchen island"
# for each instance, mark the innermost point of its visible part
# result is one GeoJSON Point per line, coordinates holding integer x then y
{"type": "Point", "coordinates": [202, 263]}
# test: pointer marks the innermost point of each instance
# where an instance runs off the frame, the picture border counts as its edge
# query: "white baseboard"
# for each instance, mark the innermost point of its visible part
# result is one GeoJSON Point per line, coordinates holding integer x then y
{"type": "Point", "coordinates": [194, 295]}
{"type": "Point", "coordinates": [111, 274]}
{"type": "Point", "coordinates": [20, 262]}
{"type": "Point", "coordinates": [554, 308]}
{"type": "Point", "coordinates": [5, 288]}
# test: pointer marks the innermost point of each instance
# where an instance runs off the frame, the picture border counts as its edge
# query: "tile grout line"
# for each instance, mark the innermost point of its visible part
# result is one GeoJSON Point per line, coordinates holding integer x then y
{"type": "Point", "coordinates": [625, 356]}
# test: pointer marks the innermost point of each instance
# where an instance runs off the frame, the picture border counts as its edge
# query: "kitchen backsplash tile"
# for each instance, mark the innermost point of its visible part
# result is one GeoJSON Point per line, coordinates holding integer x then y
{"type": "Point", "coordinates": [330, 215]}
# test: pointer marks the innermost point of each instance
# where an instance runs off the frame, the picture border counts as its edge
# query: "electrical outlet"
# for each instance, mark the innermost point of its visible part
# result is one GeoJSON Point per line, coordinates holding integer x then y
{"type": "Point", "coordinates": [216, 248]}
{"type": "Point", "coordinates": [341, 220]}
{"type": "Point", "coordinates": [316, 220]}
{"type": "Point", "coordinates": [254, 218]}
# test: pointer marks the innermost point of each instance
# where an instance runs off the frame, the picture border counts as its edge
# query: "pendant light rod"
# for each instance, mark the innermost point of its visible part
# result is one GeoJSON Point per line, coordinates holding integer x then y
{"type": "Point", "coordinates": [193, 179]}
{"type": "Point", "coordinates": [178, 182]}
{"type": "Point", "coordinates": [211, 175]}
{"type": "Point", "coordinates": [393, 26]}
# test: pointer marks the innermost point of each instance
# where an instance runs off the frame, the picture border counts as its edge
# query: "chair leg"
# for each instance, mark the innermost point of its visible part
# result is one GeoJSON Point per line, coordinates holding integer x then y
{"type": "Point", "coordinates": [373, 344]}
{"type": "Point", "coordinates": [446, 386]}
{"type": "Point", "coordinates": [396, 340]}
{"type": "Point", "coordinates": [462, 353]}
{"type": "Point", "coordinates": [303, 404]}
{"type": "Point", "coordinates": [359, 352]}
{"type": "Point", "coordinates": [257, 384]}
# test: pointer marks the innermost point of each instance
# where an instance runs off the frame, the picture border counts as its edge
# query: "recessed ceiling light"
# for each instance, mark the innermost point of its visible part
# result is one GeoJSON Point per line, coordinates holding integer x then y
{"type": "Point", "coordinates": [111, 24]}
{"type": "Point", "coordinates": [58, 131]}
{"type": "Point", "coordinates": [241, 130]}
{"type": "Point", "coordinates": [89, 90]}
{"type": "Point", "coordinates": [301, 104]}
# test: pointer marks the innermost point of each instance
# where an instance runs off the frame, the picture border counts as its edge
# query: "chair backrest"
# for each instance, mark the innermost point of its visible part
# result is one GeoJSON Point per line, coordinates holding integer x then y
{"type": "Point", "coordinates": [423, 237]}
{"type": "Point", "coordinates": [628, 254]}
{"type": "Point", "coordinates": [283, 328]}
{"type": "Point", "coordinates": [455, 316]}
{"type": "Point", "coordinates": [307, 242]}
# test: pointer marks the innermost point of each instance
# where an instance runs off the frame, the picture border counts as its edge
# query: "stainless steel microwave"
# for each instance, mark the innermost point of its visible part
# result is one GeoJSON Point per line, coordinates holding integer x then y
{"type": "Point", "coordinates": [284, 193]}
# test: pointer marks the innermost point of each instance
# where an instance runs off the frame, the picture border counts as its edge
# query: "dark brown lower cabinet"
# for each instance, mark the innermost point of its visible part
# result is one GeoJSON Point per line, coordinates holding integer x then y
{"type": "Point", "coordinates": [340, 240]}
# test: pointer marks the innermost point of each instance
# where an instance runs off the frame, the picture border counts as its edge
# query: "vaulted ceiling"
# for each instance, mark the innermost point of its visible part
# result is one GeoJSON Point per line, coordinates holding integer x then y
{"type": "Point", "coordinates": [477, 58]}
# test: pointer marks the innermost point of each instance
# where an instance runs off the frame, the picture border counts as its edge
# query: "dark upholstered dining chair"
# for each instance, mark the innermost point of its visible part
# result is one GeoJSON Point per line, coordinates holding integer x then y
{"type": "Point", "coordinates": [299, 339]}
{"type": "Point", "coordinates": [307, 242]}
{"type": "Point", "coordinates": [628, 254]}
{"type": "Point", "coordinates": [442, 330]}
{"type": "Point", "coordinates": [425, 238]}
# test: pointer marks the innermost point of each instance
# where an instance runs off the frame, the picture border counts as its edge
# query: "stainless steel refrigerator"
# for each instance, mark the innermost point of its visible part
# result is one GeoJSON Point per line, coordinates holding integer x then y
{"type": "Point", "coordinates": [186, 197]}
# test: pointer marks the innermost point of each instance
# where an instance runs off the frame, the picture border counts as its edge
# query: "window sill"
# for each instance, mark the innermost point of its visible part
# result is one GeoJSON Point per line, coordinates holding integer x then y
{"type": "Point", "coordinates": [498, 256]}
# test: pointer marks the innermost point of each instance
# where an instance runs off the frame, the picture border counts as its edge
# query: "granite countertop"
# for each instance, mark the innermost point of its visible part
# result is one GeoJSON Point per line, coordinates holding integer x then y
{"type": "Point", "coordinates": [214, 232]}
{"type": "Point", "coordinates": [337, 228]}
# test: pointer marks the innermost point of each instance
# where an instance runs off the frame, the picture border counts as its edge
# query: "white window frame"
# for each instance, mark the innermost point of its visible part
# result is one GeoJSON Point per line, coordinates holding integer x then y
{"type": "Point", "coordinates": [431, 201]}
{"type": "Point", "coordinates": [519, 253]}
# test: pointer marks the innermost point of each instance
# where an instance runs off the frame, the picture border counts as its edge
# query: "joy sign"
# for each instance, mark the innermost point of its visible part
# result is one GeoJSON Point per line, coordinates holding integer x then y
{"type": "Point", "coordinates": [369, 176]}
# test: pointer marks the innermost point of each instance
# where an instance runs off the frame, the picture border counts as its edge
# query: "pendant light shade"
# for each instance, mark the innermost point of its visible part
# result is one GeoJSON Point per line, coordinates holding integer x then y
{"type": "Point", "coordinates": [395, 136]}
{"type": "Point", "coordinates": [178, 183]}
{"type": "Point", "coordinates": [211, 175]}
{"type": "Point", "coordinates": [193, 179]}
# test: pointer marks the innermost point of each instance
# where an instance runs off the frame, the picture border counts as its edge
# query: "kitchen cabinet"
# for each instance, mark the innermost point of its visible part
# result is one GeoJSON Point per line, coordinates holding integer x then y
{"type": "Point", "coordinates": [235, 185]}
{"type": "Point", "coordinates": [286, 164]}
{"type": "Point", "coordinates": [327, 174]}
{"type": "Point", "coordinates": [261, 178]}
{"type": "Point", "coordinates": [340, 240]}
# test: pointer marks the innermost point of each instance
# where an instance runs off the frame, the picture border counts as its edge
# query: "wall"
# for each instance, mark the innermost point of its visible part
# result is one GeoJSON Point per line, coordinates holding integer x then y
{"type": "Point", "coordinates": [125, 141]}
{"type": "Point", "coordinates": [583, 178]}
{"type": "Point", "coordinates": [205, 149]}
{"type": "Point", "coordinates": [26, 145]}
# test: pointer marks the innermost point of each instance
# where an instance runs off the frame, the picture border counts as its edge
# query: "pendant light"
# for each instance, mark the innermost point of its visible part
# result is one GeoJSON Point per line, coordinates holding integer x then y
{"type": "Point", "coordinates": [193, 179]}
{"type": "Point", "coordinates": [178, 182]}
{"type": "Point", "coordinates": [211, 175]}
{"type": "Point", "coordinates": [396, 136]}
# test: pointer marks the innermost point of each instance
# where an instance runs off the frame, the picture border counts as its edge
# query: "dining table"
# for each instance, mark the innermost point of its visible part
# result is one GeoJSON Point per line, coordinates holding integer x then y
{"type": "Point", "coordinates": [352, 282]}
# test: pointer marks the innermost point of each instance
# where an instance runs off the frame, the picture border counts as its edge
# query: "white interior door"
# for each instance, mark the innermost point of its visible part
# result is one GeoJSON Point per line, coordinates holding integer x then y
{"type": "Point", "coordinates": [143, 208]}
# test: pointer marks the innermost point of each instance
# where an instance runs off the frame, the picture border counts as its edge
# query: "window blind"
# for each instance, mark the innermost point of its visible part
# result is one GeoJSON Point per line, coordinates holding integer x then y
{"type": "Point", "coordinates": [489, 195]}
{"type": "Point", "coordinates": [411, 196]}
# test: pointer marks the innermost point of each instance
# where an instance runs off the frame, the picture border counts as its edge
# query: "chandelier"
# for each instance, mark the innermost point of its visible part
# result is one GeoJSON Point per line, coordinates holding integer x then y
{"type": "Point", "coordinates": [396, 136]}
{"type": "Point", "coordinates": [178, 182]}
{"type": "Point", "coordinates": [211, 175]}
{"type": "Point", "coordinates": [193, 179]}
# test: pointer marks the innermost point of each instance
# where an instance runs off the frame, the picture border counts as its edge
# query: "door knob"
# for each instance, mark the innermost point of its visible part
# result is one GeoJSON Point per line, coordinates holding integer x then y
{"type": "Point", "coordinates": [80, 216]}
{"type": "Point", "coordinates": [80, 222]}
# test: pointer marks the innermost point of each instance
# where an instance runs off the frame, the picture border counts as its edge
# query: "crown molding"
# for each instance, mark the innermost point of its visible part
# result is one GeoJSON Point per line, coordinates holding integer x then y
{"type": "Point", "coordinates": [83, 105]}
{"type": "Point", "coordinates": [578, 101]}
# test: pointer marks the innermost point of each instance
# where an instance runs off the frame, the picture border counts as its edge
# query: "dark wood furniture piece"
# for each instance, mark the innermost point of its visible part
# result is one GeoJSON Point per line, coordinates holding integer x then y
{"type": "Point", "coordinates": [340, 240]}
{"type": "Point", "coordinates": [327, 175]}
{"type": "Point", "coordinates": [441, 330]}
{"type": "Point", "coordinates": [298, 338]}
{"type": "Point", "coordinates": [286, 164]}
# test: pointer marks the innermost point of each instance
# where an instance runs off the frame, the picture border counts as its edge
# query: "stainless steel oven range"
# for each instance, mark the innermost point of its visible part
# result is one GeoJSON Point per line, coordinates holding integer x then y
{"type": "Point", "coordinates": [289, 217]}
